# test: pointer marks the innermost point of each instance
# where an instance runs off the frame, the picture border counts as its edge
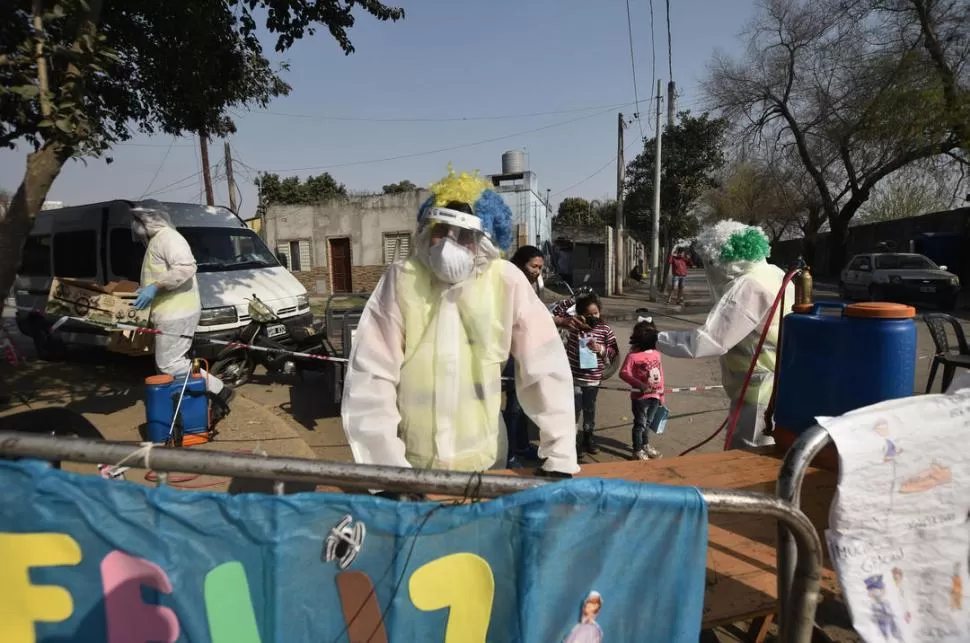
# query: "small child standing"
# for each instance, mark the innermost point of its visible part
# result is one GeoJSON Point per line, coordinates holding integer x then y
{"type": "Point", "coordinates": [591, 346]}
{"type": "Point", "coordinates": [643, 371]}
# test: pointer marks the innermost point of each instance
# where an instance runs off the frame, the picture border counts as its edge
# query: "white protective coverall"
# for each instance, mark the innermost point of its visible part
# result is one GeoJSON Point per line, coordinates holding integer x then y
{"type": "Point", "coordinates": [423, 384]}
{"type": "Point", "coordinates": [744, 292]}
{"type": "Point", "coordinates": [170, 266]}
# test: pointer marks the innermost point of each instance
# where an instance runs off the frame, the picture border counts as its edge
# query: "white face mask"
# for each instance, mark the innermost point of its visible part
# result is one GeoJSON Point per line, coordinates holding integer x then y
{"type": "Point", "coordinates": [138, 232]}
{"type": "Point", "coordinates": [451, 262]}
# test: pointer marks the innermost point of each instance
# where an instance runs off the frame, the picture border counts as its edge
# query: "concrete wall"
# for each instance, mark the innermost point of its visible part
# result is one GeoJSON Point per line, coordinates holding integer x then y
{"type": "Point", "coordinates": [363, 220]}
{"type": "Point", "coordinates": [589, 250]}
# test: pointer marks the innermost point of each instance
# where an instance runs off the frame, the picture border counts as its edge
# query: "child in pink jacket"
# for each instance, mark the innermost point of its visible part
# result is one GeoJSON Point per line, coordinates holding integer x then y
{"type": "Point", "coordinates": [643, 370]}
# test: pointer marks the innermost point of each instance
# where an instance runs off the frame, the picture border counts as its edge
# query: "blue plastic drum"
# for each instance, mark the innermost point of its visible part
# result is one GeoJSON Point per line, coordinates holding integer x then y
{"type": "Point", "coordinates": [839, 358]}
{"type": "Point", "coordinates": [161, 391]}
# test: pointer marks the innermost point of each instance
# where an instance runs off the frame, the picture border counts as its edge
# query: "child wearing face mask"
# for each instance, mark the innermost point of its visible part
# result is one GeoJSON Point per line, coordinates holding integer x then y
{"type": "Point", "coordinates": [644, 371]}
{"type": "Point", "coordinates": [590, 350]}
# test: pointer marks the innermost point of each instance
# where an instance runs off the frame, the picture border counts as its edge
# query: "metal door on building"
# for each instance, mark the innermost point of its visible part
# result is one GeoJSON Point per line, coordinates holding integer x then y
{"type": "Point", "coordinates": [340, 265]}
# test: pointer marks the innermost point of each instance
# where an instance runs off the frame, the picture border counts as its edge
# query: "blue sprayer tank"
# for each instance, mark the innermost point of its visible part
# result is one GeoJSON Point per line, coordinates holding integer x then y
{"type": "Point", "coordinates": [161, 393]}
{"type": "Point", "coordinates": [838, 358]}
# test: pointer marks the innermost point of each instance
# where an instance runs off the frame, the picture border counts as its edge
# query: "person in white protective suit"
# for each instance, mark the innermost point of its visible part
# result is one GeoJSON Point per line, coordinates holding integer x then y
{"type": "Point", "coordinates": [169, 286]}
{"type": "Point", "coordinates": [423, 385]}
{"type": "Point", "coordinates": [744, 287]}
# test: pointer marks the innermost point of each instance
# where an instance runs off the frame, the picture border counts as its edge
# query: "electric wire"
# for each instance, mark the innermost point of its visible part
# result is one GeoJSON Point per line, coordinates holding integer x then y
{"type": "Point", "coordinates": [442, 149]}
{"type": "Point", "coordinates": [653, 56]}
{"type": "Point", "coordinates": [633, 65]}
{"type": "Point", "coordinates": [595, 173]}
{"type": "Point", "coordinates": [158, 170]}
{"type": "Point", "coordinates": [441, 119]}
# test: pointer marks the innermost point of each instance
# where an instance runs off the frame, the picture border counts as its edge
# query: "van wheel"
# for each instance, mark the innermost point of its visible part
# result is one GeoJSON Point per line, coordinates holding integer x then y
{"type": "Point", "coordinates": [843, 292]}
{"type": "Point", "coordinates": [876, 294]}
{"type": "Point", "coordinates": [48, 347]}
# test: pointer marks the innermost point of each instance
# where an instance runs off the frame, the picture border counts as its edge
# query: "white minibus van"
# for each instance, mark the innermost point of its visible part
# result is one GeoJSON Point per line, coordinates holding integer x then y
{"type": "Point", "coordinates": [94, 243]}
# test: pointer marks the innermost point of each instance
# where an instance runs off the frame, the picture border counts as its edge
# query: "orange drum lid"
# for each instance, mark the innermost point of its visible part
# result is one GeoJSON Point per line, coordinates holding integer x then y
{"type": "Point", "coordinates": [158, 380]}
{"type": "Point", "coordinates": [879, 310]}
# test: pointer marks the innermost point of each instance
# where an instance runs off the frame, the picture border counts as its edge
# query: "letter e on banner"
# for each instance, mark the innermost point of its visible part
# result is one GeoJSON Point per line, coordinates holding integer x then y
{"type": "Point", "coordinates": [21, 603]}
{"type": "Point", "coordinates": [463, 583]}
{"type": "Point", "coordinates": [128, 617]}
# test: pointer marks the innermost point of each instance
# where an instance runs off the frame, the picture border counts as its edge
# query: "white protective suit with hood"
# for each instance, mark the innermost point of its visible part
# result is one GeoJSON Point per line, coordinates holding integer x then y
{"type": "Point", "coordinates": [176, 308]}
{"type": "Point", "coordinates": [423, 384]}
{"type": "Point", "coordinates": [744, 286]}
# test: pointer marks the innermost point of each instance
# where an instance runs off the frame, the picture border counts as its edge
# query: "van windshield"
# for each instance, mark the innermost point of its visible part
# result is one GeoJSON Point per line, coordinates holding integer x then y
{"type": "Point", "coordinates": [220, 249]}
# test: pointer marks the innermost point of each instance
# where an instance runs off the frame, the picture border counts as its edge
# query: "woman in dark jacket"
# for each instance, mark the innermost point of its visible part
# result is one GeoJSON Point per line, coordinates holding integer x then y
{"type": "Point", "coordinates": [530, 261]}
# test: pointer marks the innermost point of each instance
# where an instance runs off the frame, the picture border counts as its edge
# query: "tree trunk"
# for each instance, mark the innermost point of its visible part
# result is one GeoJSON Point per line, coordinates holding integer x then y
{"type": "Point", "coordinates": [43, 166]}
{"type": "Point", "coordinates": [838, 244]}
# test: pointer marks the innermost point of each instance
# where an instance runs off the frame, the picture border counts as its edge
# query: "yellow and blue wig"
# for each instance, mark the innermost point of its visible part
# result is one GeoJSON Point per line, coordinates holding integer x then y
{"type": "Point", "coordinates": [476, 191]}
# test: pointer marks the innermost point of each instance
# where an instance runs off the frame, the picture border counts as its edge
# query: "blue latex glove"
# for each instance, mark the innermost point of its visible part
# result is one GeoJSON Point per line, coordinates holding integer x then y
{"type": "Point", "coordinates": [145, 296]}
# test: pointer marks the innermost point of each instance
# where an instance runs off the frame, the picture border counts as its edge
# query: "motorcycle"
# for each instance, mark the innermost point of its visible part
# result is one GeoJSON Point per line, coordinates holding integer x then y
{"type": "Point", "coordinates": [235, 364]}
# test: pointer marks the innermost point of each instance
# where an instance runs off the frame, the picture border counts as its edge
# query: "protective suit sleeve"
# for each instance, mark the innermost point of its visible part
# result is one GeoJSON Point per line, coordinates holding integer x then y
{"type": "Point", "coordinates": [369, 410]}
{"type": "Point", "coordinates": [543, 381]}
{"type": "Point", "coordinates": [174, 250]}
{"type": "Point", "coordinates": [734, 317]}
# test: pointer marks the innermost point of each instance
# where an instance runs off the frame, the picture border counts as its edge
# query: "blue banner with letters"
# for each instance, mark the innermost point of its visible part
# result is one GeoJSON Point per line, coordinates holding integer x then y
{"type": "Point", "coordinates": [581, 561]}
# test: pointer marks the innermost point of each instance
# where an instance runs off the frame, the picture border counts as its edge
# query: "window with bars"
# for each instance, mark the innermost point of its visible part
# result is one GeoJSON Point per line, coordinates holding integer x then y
{"type": "Point", "coordinates": [297, 253]}
{"type": "Point", "coordinates": [397, 246]}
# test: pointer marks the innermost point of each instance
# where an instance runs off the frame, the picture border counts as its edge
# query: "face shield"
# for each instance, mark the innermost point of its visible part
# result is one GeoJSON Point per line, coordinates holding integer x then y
{"type": "Point", "coordinates": [450, 243]}
{"type": "Point", "coordinates": [148, 217]}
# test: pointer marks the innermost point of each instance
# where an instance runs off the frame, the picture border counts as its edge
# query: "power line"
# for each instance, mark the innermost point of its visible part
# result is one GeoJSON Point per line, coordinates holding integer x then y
{"type": "Point", "coordinates": [633, 65]}
{"type": "Point", "coordinates": [653, 51]}
{"type": "Point", "coordinates": [442, 119]}
{"type": "Point", "coordinates": [442, 149]}
{"type": "Point", "coordinates": [166, 188]}
{"type": "Point", "coordinates": [670, 50]}
{"type": "Point", "coordinates": [157, 171]}
{"type": "Point", "coordinates": [595, 173]}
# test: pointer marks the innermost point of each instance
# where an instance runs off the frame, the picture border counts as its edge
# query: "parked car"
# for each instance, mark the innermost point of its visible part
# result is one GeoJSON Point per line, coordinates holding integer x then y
{"type": "Point", "coordinates": [899, 276]}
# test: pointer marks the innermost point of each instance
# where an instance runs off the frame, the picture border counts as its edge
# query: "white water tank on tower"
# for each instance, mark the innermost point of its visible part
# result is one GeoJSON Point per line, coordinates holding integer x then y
{"type": "Point", "coordinates": [513, 162]}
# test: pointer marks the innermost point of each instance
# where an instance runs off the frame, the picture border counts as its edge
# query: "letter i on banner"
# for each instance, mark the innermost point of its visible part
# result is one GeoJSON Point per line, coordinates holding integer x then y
{"type": "Point", "coordinates": [228, 605]}
{"type": "Point", "coordinates": [22, 603]}
{"type": "Point", "coordinates": [128, 617]}
{"type": "Point", "coordinates": [465, 584]}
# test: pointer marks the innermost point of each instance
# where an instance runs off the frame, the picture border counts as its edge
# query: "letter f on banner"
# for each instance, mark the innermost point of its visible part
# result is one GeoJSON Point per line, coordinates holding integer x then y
{"type": "Point", "coordinates": [22, 603]}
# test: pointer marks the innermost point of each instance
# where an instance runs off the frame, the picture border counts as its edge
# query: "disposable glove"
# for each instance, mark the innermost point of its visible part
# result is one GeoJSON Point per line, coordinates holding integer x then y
{"type": "Point", "coordinates": [145, 296]}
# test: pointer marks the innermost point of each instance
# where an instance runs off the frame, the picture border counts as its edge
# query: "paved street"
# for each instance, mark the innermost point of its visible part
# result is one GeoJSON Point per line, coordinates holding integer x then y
{"type": "Point", "coordinates": [694, 416]}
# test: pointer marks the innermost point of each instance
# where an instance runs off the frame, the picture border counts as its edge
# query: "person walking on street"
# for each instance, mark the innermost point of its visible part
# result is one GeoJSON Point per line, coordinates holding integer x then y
{"type": "Point", "coordinates": [679, 263]}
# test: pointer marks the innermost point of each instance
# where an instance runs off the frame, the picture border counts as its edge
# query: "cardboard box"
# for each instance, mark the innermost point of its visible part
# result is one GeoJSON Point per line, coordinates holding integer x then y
{"type": "Point", "coordinates": [104, 306]}
{"type": "Point", "coordinates": [128, 342]}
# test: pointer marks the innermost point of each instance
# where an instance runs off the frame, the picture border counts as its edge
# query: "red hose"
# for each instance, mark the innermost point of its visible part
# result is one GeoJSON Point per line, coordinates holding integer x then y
{"type": "Point", "coordinates": [732, 420]}
{"type": "Point", "coordinates": [179, 481]}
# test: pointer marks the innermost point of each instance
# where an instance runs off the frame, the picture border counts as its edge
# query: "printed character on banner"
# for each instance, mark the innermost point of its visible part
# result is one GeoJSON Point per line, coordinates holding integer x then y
{"type": "Point", "coordinates": [882, 612]}
{"type": "Point", "coordinates": [587, 630]}
{"type": "Point", "coordinates": [898, 580]}
{"type": "Point", "coordinates": [890, 448]}
{"type": "Point", "coordinates": [956, 589]}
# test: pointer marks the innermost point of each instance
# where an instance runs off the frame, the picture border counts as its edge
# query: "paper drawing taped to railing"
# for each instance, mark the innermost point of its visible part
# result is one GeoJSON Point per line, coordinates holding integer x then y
{"type": "Point", "coordinates": [105, 561]}
{"type": "Point", "coordinates": [898, 530]}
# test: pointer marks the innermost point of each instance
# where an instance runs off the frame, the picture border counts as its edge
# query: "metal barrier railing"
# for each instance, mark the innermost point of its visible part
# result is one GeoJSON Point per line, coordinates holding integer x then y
{"type": "Point", "coordinates": [797, 613]}
{"type": "Point", "coordinates": [808, 445]}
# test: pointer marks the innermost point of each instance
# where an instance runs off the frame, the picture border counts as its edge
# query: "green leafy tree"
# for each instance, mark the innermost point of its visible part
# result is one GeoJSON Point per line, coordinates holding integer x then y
{"type": "Point", "coordinates": [856, 90]}
{"type": "Point", "coordinates": [691, 155]}
{"type": "Point", "coordinates": [398, 188]}
{"type": "Point", "coordinates": [77, 75]}
{"type": "Point", "coordinates": [292, 190]}
{"type": "Point", "coordinates": [576, 211]}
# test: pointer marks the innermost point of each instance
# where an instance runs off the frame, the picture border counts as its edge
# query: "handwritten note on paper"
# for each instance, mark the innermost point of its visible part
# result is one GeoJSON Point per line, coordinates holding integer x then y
{"type": "Point", "coordinates": [898, 531]}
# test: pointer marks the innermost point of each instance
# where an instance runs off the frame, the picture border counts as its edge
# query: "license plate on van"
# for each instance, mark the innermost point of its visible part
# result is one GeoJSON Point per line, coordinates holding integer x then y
{"type": "Point", "coordinates": [276, 330]}
{"type": "Point", "coordinates": [927, 288]}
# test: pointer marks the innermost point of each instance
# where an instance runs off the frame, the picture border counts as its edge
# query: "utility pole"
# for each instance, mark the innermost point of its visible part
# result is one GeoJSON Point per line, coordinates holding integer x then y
{"type": "Point", "coordinates": [206, 176]}
{"type": "Point", "coordinates": [229, 179]}
{"type": "Point", "coordinates": [620, 180]}
{"type": "Point", "coordinates": [655, 241]}
{"type": "Point", "coordinates": [671, 93]}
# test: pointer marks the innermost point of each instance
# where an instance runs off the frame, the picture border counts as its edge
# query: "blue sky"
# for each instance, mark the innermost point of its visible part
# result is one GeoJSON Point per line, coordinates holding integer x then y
{"type": "Point", "coordinates": [449, 59]}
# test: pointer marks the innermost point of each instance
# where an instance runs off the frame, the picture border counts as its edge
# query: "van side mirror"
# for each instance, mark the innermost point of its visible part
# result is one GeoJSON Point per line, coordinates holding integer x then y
{"type": "Point", "coordinates": [282, 259]}
{"type": "Point", "coordinates": [943, 268]}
